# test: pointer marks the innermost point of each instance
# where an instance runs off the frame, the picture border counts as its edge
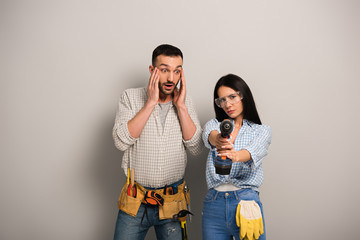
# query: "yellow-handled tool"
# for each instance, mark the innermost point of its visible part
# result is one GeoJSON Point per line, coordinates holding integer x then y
{"type": "Point", "coordinates": [181, 216]}
{"type": "Point", "coordinates": [128, 177]}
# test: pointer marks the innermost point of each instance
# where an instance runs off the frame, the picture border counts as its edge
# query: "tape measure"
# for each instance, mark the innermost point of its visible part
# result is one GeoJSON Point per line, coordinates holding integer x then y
{"type": "Point", "coordinates": [152, 198]}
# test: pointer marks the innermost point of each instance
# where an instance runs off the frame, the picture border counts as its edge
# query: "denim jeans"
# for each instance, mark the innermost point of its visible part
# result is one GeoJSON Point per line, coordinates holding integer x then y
{"type": "Point", "coordinates": [131, 228]}
{"type": "Point", "coordinates": [219, 213]}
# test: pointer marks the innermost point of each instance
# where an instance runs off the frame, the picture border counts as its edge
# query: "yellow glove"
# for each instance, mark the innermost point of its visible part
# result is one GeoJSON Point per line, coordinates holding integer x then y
{"type": "Point", "coordinates": [249, 219]}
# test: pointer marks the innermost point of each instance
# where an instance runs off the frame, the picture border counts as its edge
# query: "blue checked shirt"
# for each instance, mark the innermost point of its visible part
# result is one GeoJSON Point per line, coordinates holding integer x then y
{"type": "Point", "coordinates": [254, 138]}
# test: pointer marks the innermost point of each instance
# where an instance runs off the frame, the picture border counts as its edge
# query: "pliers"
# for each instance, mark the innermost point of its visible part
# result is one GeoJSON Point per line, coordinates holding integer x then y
{"type": "Point", "coordinates": [132, 185]}
{"type": "Point", "coordinates": [133, 189]}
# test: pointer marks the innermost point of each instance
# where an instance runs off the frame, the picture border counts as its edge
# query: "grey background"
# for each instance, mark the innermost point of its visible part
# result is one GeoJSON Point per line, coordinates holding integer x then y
{"type": "Point", "coordinates": [63, 65]}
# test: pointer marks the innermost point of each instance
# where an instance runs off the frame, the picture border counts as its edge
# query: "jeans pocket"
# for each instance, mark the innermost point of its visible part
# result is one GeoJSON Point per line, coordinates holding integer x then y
{"type": "Point", "coordinates": [247, 194]}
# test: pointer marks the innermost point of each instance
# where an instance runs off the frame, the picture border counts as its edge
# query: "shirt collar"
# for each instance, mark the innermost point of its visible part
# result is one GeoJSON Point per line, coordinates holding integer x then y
{"type": "Point", "coordinates": [245, 122]}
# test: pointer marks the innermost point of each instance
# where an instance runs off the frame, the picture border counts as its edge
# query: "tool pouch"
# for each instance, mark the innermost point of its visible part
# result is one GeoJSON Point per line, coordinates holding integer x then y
{"type": "Point", "coordinates": [129, 204]}
{"type": "Point", "coordinates": [173, 204]}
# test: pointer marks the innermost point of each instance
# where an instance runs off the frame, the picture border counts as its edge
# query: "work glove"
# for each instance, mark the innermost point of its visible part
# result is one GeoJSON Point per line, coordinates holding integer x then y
{"type": "Point", "coordinates": [249, 219]}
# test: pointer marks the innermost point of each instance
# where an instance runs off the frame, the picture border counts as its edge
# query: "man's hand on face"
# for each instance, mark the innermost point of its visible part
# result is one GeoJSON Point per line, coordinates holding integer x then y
{"type": "Point", "coordinates": [153, 87]}
{"type": "Point", "coordinates": [180, 95]}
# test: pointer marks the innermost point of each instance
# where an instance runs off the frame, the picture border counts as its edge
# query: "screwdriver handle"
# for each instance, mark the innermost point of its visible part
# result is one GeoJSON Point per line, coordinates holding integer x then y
{"type": "Point", "coordinates": [132, 177]}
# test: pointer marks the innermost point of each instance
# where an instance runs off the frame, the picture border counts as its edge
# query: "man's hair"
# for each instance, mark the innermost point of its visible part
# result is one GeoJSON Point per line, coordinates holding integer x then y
{"type": "Point", "coordinates": [238, 84]}
{"type": "Point", "coordinates": [167, 50]}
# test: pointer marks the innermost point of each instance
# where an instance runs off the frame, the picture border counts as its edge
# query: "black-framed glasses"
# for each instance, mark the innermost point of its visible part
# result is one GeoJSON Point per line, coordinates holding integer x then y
{"type": "Point", "coordinates": [232, 99]}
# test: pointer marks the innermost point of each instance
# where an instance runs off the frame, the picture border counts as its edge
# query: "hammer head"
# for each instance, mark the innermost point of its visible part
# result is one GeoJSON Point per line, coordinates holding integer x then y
{"type": "Point", "coordinates": [181, 216]}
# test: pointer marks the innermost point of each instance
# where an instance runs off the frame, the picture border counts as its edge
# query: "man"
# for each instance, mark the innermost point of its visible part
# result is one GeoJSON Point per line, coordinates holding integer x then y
{"type": "Point", "coordinates": [154, 126]}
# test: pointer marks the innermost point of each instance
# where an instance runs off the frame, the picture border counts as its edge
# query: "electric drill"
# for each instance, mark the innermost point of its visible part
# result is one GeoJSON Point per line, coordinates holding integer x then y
{"type": "Point", "coordinates": [223, 164]}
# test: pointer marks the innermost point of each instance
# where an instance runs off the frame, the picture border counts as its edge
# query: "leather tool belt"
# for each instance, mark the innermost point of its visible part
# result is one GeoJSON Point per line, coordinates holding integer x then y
{"type": "Point", "coordinates": [172, 204]}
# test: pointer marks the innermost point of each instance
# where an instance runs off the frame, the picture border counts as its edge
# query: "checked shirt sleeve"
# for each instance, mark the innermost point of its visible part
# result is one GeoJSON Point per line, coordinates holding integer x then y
{"type": "Point", "coordinates": [122, 138]}
{"type": "Point", "coordinates": [258, 147]}
{"type": "Point", "coordinates": [211, 125]}
{"type": "Point", "coordinates": [194, 145]}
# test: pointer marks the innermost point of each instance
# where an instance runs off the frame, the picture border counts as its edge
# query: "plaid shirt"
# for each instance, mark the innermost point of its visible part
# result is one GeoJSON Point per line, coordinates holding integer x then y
{"type": "Point", "coordinates": [254, 138]}
{"type": "Point", "coordinates": [158, 155]}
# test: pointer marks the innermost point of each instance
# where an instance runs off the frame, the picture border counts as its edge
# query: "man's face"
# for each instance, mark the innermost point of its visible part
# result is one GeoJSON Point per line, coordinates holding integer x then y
{"type": "Point", "coordinates": [170, 72]}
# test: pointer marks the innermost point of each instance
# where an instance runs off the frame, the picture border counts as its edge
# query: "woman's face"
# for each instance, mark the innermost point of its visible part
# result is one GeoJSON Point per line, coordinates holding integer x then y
{"type": "Point", "coordinates": [230, 102]}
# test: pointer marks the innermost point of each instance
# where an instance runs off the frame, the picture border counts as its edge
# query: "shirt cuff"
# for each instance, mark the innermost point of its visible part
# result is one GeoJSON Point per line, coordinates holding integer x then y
{"type": "Point", "coordinates": [253, 162]}
{"type": "Point", "coordinates": [124, 134]}
{"type": "Point", "coordinates": [206, 135]}
{"type": "Point", "coordinates": [195, 138]}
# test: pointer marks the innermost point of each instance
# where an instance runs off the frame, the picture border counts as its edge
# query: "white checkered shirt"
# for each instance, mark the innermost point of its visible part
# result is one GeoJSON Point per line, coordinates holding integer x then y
{"type": "Point", "coordinates": [159, 154]}
{"type": "Point", "coordinates": [253, 137]}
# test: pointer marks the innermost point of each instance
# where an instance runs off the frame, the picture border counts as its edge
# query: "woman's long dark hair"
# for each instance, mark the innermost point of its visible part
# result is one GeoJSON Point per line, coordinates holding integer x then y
{"type": "Point", "coordinates": [238, 84]}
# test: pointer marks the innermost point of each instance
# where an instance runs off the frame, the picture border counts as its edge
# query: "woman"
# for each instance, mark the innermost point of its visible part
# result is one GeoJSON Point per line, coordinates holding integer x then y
{"type": "Point", "coordinates": [247, 148]}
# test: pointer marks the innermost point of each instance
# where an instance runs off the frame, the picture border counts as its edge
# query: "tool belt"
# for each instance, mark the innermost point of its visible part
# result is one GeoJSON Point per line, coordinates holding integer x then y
{"type": "Point", "coordinates": [173, 201]}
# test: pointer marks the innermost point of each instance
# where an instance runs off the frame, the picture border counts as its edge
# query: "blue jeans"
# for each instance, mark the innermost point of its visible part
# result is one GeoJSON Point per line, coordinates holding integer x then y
{"type": "Point", "coordinates": [219, 212]}
{"type": "Point", "coordinates": [131, 228]}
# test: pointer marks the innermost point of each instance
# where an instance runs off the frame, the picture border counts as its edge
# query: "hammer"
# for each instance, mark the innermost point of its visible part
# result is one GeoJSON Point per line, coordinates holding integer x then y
{"type": "Point", "coordinates": [181, 216]}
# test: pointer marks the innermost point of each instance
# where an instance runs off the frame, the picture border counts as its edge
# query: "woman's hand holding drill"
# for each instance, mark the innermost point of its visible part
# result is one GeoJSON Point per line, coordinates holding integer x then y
{"type": "Point", "coordinates": [224, 147]}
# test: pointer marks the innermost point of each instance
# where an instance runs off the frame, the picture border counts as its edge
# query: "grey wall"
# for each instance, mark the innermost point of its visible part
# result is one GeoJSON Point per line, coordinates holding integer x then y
{"type": "Point", "coordinates": [65, 63]}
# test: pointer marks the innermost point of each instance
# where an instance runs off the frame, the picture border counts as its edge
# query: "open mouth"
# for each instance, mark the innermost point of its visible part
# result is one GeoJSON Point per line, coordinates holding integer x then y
{"type": "Point", "coordinates": [168, 86]}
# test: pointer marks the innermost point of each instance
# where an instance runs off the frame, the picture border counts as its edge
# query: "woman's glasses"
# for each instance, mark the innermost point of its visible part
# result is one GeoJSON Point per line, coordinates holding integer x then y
{"type": "Point", "coordinates": [232, 99]}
